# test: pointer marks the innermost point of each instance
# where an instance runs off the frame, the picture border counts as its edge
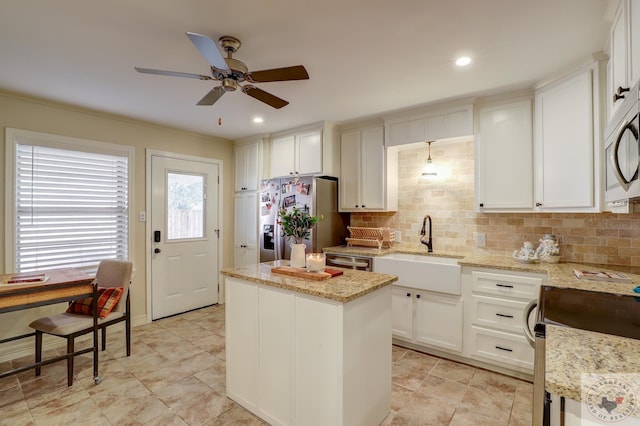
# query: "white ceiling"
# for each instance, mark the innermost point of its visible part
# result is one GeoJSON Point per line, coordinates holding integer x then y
{"type": "Point", "coordinates": [364, 57]}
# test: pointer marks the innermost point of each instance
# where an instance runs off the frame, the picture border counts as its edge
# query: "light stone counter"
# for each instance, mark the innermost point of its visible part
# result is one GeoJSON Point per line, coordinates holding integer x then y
{"type": "Point", "coordinates": [571, 352]}
{"type": "Point", "coordinates": [558, 275]}
{"type": "Point", "coordinates": [343, 288]}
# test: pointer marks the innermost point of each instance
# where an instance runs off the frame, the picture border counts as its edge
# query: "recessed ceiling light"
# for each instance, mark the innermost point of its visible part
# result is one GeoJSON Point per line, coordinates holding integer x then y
{"type": "Point", "coordinates": [463, 60]}
{"type": "Point", "coordinates": [258, 120]}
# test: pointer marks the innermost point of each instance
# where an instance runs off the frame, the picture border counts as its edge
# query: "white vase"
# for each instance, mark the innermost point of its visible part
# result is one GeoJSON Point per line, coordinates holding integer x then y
{"type": "Point", "coordinates": [297, 255]}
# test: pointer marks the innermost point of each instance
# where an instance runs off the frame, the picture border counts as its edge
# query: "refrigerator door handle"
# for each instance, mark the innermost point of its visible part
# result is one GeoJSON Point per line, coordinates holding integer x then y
{"type": "Point", "coordinates": [279, 241]}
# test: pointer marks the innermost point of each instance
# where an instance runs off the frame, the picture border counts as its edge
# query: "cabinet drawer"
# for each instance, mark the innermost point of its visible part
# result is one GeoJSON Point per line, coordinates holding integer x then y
{"type": "Point", "coordinates": [497, 313]}
{"type": "Point", "coordinates": [506, 285]}
{"type": "Point", "coordinates": [501, 347]}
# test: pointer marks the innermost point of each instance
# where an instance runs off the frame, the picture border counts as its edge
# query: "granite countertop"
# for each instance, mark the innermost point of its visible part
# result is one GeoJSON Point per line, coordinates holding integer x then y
{"type": "Point", "coordinates": [557, 275]}
{"type": "Point", "coordinates": [343, 288]}
{"type": "Point", "coordinates": [571, 352]}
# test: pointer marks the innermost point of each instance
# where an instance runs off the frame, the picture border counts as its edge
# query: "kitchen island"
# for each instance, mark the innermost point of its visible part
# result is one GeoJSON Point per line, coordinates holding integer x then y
{"type": "Point", "coordinates": [307, 352]}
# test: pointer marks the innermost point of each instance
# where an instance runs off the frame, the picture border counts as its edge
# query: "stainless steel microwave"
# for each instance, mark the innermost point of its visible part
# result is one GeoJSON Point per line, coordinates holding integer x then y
{"type": "Point", "coordinates": [622, 150]}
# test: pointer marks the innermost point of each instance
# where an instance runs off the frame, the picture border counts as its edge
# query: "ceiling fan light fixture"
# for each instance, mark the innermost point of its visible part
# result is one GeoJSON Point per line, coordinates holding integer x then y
{"type": "Point", "coordinates": [258, 120]}
{"type": "Point", "coordinates": [229, 84]}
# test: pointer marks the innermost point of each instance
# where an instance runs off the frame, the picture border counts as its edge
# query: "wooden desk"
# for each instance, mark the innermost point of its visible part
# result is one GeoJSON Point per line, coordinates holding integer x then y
{"type": "Point", "coordinates": [62, 285]}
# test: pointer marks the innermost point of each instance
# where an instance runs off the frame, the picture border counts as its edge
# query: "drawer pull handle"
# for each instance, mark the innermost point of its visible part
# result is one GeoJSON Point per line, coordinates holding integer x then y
{"type": "Point", "coordinates": [504, 285]}
{"type": "Point", "coordinates": [504, 349]}
{"type": "Point", "coordinates": [504, 316]}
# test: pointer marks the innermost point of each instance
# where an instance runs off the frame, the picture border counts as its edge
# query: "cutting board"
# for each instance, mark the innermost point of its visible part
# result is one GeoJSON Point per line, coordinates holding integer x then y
{"type": "Point", "coordinates": [301, 273]}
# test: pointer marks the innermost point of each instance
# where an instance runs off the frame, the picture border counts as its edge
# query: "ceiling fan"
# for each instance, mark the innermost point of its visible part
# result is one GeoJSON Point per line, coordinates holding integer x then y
{"type": "Point", "coordinates": [231, 72]}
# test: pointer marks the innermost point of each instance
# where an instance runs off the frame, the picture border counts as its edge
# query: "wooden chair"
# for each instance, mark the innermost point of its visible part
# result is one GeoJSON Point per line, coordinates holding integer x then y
{"type": "Point", "coordinates": [111, 273]}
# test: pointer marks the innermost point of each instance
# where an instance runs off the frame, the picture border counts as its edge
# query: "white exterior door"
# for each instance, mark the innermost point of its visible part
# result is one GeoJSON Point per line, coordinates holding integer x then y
{"type": "Point", "coordinates": [184, 235]}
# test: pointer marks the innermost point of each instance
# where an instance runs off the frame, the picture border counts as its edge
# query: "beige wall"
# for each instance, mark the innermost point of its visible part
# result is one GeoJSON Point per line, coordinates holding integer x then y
{"type": "Point", "coordinates": [603, 238]}
{"type": "Point", "coordinates": [42, 116]}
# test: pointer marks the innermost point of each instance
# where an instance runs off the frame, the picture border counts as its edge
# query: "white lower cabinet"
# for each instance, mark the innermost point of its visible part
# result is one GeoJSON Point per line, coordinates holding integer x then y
{"type": "Point", "coordinates": [427, 318]}
{"type": "Point", "coordinates": [296, 359]}
{"type": "Point", "coordinates": [494, 307]}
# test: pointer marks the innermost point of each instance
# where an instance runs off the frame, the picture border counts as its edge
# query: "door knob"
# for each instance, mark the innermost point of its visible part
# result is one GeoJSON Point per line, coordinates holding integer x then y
{"type": "Point", "coordinates": [156, 250]}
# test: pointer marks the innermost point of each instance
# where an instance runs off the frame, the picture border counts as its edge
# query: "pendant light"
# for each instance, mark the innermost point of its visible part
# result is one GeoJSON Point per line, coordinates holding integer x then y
{"type": "Point", "coordinates": [429, 170]}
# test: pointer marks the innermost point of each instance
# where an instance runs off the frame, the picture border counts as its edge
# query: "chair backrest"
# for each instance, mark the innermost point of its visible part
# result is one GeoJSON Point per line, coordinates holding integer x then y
{"type": "Point", "coordinates": [115, 273]}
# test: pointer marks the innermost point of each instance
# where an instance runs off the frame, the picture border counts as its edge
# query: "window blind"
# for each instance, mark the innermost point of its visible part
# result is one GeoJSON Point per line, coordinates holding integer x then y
{"type": "Point", "coordinates": [71, 208]}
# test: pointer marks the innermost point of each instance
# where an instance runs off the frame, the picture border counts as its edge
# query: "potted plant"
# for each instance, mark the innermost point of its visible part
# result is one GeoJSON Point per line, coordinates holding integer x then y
{"type": "Point", "coordinates": [296, 225]}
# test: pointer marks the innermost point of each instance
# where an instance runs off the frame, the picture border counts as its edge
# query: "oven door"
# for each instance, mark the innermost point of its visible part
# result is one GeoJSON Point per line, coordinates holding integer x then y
{"type": "Point", "coordinates": [622, 159]}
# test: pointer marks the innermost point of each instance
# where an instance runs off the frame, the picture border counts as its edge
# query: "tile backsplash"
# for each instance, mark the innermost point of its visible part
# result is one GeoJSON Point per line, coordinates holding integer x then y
{"type": "Point", "coordinates": [603, 238]}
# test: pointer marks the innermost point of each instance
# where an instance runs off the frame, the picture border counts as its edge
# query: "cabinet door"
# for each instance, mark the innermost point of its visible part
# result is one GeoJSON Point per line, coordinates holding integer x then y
{"type": "Point", "coordinates": [402, 312]}
{"type": "Point", "coordinates": [282, 156]}
{"type": "Point", "coordinates": [618, 57]}
{"type": "Point", "coordinates": [564, 145]}
{"type": "Point", "coordinates": [276, 331]}
{"type": "Point", "coordinates": [245, 228]}
{"type": "Point", "coordinates": [634, 42]}
{"type": "Point", "coordinates": [450, 124]}
{"type": "Point", "coordinates": [504, 157]}
{"type": "Point", "coordinates": [318, 361]}
{"type": "Point", "coordinates": [309, 152]}
{"type": "Point", "coordinates": [406, 132]}
{"type": "Point", "coordinates": [246, 165]}
{"type": "Point", "coordinates": [241, 333]}
{"type": "Point", "coordinates": [349, 170]}
{"type": "Point", "coordinates": [372, 176]}
{"type": "Point", "coordinates": [439, 320]}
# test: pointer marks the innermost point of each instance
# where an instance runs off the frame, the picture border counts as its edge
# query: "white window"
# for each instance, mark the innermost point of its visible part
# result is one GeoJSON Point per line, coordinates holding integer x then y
{"type": "Point", "coordinates": [68, 202]}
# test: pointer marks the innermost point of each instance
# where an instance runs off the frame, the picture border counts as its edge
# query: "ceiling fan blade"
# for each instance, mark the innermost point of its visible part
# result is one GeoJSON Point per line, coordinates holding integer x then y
{"type": "Point", "coordinates": [209, 49]}
{"type": "Point", "coordinates": [297, 72]}
{"type": "Point", "coordinates": [265, 97]}
{"type": "Point", "coordinates": [173, 73]}
{"type": "Point", "coordinates": [212, 97]}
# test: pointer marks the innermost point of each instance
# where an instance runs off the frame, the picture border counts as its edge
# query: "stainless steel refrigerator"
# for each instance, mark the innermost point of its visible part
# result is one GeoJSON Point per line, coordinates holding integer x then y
{"type": "Point", "coordinates": [317, 194]}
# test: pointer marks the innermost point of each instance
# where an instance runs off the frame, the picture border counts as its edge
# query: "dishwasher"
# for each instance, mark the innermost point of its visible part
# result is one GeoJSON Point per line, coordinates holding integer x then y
{"type": "Point", "coordinates": [348, 261]}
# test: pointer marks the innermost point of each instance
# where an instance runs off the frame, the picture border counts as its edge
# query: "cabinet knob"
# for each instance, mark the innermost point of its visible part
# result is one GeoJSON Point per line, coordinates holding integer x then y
{"type": "Point", "coordinates": [622, 90]}
{"type": "Point", "coordinates": [617, 97]}
{"type": "Point", "coordinates": [357, 206]}
{"type": "Point", "coordinates": [538, 204]}
{"type": "Point", "coordinates": [408, 294]}
{"type": "Point", "coordinates": [481, 205]}
{"type": "Point", "coordinates": [417, 296]}
{"type": "Point", "coordinates": [364, 207]}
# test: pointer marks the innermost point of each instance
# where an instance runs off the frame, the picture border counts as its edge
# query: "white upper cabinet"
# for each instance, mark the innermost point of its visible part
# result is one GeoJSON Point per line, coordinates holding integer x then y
{"type": "Point", "coordinates": [296, 154]}
{"type": "Point", "coordinates": [565, 152]}
{"type": "Point", "coordinates": [624, 55]}
{"type": "Point", "coordinates": [247, 157]}
{"type": "Point", "coordinates": [282, 157]}
{"type": "Point", "coordinates": [504, 156]}
{"type": "Point", "coordinates": [429, 126]}
{"type": "Point", "coordinates": [368, 176]}
{"type": "Point", "coordinates": [548, 160]}
{"type": "Point", "coordinates": [310, 151]}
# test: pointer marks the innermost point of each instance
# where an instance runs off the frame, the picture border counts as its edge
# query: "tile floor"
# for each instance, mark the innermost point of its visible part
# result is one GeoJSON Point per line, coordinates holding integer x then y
{"type": "Point", "coordinates": [175, 376]}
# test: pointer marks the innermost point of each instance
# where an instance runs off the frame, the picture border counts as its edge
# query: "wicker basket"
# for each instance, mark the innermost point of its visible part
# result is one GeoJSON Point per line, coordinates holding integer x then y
{"type": "Point", "coordinates": [369, 237]}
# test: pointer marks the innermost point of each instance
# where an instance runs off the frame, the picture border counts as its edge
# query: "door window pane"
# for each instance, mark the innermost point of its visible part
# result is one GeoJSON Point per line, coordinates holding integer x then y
{"type": "Point", "coordinates": [185, 206]}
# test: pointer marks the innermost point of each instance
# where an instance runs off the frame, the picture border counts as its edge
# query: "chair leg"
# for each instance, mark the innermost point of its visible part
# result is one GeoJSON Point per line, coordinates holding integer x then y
{"type": "Point", "coordinates": [70, 350]}
{"type": "Point", "coordinates": [104, 338]}
{"type": "Point", "coordinates": [38, 350]}
{"type": "Point", "coordinates": [127, 329]}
